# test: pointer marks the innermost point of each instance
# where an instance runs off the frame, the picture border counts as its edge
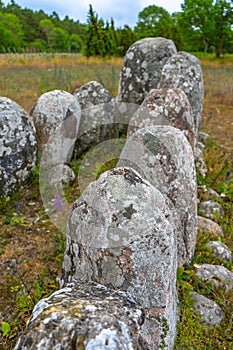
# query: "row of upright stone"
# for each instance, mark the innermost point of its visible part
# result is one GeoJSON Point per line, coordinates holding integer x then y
{"type": "Point", "coordinates": [132, 227]}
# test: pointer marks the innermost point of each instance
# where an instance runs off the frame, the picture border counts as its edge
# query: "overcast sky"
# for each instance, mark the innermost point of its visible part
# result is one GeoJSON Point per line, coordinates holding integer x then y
{"type": "Point", "coordinates": [122, 11]}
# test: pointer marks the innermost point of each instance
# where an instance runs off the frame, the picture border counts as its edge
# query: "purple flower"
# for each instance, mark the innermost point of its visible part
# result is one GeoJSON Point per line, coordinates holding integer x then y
{"type": "Point", "coordinates": [58, 202]}
{"type": "Point", "coordinates": [18, 205]}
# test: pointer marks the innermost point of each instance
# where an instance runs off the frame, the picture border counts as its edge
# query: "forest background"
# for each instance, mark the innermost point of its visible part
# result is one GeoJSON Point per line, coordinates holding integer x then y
{"type": "Point", "coordinates": [201, 26]}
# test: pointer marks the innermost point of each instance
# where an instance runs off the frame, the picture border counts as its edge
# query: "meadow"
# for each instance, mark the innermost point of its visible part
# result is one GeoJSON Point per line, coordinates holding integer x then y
{"type": "Point", "coordinates": [31, 247]}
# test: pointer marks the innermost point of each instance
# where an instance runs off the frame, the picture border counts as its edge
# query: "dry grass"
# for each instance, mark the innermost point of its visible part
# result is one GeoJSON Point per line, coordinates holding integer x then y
{"type": "Point", "coordinates": [31, 248]}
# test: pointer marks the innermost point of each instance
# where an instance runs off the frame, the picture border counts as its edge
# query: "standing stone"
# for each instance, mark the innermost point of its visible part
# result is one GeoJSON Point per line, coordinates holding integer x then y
{"type": "Point", "coordinates": [142, 68]}
{"type": "Point", "coordinates": [83, 316]}
{"type": "Point", "coordinates": [167, 106]}
{"type": "Point", "coordinates": [119, 236]}
{"type": "Point", "coordinates": [97, 119]}
{"type": "Point", "coordinates": [183, 71]}
{"type": "Point", "coordinates": [17, 146]}
{"type": "Point", "coordinates": [56, 116]}
{"type": "Point", "coordinates": [163, 156]}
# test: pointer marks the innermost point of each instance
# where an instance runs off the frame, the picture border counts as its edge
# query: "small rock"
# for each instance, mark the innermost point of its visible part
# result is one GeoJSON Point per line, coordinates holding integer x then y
{"type": "Point", "coordinates": [210, 311]}
{"type": "Point", "coordinates": [207, 225]}
{"type": "Point", "coordinates": [211, 209]}
{"type": "Point", "coordinates": [203, 137]}
{"type": "Point", "coordinates": [205, 194]}
{"type": "Point", "coordinates": [220, 250]}
{"type": "Point", "coordinates": [201, 146]}
{"type": "Point", "coordinates": [218, 275]}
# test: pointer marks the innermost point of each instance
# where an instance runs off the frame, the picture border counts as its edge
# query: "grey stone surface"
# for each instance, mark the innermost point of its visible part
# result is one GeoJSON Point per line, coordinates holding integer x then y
{"type": "Point", "coordinates": [142, 68]}
{"type": "Point", "coordinates": [119, 236]}
{"type": "Point", "coordinates": [220, 250]}
{"type": "Point", "coordinates": [207, 225]}
{"type": "Point", "coordinates": [210, 312]}
{"type": "Point", "coordinates": [17, 146]}
{"type": "Point", "coordinates": [83, 316]}
{"type": "Point", "coordinates": [164, 157]}
{"type": "Point", "coordinates": [98, 116]}
{"type": "Point", "coordinates": [56, 116]}
{"type": "Point", "coordinates": [210, 209]}
{"type": "Point", "coordinates": [183, 70]}
{"type": "Point", "coordinates": [166, 106]}
{"type": "Point", "coordinates": [218, 275]}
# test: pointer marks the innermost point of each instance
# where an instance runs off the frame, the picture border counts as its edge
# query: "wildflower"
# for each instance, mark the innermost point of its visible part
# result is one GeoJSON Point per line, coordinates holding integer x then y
{"type": "Point", "coordinates": [58, 201]}
{"type": "Point", "coordinates": [228, 173]}
{"type": "Point", "coordinates": [18, 206]}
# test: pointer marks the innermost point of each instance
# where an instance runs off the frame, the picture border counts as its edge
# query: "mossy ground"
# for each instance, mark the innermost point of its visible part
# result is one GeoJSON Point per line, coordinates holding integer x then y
{"type": "Point", "coordinates": [31, 247]}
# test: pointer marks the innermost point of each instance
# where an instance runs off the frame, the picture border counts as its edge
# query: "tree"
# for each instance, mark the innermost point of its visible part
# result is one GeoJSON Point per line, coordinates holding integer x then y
{"type": "Point", "coordinates": [100, 37]}
{"type": "Point", "coordinates": [208, 21]}
{"type": "Point", "coordinates": [11, 31]}
{"type": "Point", "coordinates": [125, 37]}
{"type": "Point", "coordinates": [154, 21]}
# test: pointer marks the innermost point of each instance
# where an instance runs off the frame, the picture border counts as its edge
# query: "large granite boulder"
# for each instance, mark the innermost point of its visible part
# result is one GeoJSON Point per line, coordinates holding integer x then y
{"type": "Point", "coordinates": [142, 68]}
{"type": "Point", "coordinates": [119, 236]}
{"type": "Point", "coordinates": [97, 118]}
{"type": "Point", "coordinates": [83, 316]}
{"type": "Point", "coordinates": [17, 146]}
{"type": "Point", "coordinates": [163, 156]}
{"type": "Point", "coordinates": [167, 106]}
{"type": "Point", "coordinates": [56, 116]}
{"type": "Point", "coordinates": [183, 71]}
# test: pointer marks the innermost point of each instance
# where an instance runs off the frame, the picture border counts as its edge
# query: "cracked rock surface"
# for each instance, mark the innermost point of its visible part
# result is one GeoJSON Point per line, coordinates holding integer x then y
{"type": "Point", "coordinates": [83, 316]}
{"type": "Point", "coordinates": [119, 236]}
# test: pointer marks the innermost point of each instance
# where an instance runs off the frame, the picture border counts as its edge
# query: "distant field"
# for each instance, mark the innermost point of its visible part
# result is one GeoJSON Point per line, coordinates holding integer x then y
{"type": "Point", "coordinates": [31, 248]}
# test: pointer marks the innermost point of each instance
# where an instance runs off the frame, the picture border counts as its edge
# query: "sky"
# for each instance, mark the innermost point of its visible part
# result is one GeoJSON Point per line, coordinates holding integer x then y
{"type": "Point", "coordinates": [122, 11]}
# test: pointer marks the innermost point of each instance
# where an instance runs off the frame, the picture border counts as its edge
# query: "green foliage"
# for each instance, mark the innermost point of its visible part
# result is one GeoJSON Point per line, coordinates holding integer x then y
{"type": "Point", "coordinates": [155, 21]}
{"type": "Point", "coordinates": [208, 24]}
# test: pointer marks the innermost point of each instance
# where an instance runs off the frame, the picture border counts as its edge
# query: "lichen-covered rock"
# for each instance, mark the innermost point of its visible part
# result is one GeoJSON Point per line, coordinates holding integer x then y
{"type": "Point", "coordinates": [211, 209]}
{"type": "Point", "coordinates": [119, 236]}
{"type": "Point", "coordinates": [165, 107]}
{"type": "Point", "coordinates": [210, 312]}
{"type": "Point", "coordinates": [207, 225]}
{"type": "Point", "coordinates": [183, 71]}
{"type": "Point", "coordinates": [83, 316]}
{"type": "Point", "coordinates": [97, 119]}
{"type": "Point", "coordinates": [17, 146]}
{"type": "Point", "coordinates": [56, 116]}
{"type": "Point", "coordinates": [163, 156]}
{"type": "Point", "coordinates": [218, 275]}
{"type": "Point", "coordinates": [142, 68]}
{"type": "Point", "coordinates": [220, 250]}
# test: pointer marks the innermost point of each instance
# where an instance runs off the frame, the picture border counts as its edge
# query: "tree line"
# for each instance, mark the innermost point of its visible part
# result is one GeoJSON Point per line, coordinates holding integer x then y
{"type": "Point", "coordinates": [201, 25]}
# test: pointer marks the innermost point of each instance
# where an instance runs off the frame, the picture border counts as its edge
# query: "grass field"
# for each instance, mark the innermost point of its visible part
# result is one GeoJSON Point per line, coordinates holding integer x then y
{"type": "Point", "coordinates": [31, 248]}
